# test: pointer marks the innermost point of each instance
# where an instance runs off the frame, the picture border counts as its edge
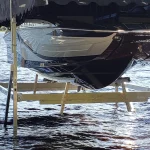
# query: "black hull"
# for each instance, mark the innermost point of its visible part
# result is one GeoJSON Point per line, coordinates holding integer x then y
{"type": "Point", "coordinates": [101, 73]}
{"type": "Point", "coordinates": [94, 73]}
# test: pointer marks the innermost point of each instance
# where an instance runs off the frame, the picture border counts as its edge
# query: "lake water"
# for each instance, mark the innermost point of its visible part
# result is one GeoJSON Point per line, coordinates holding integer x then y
{"type": "Point", "coordinates": [84, 127]}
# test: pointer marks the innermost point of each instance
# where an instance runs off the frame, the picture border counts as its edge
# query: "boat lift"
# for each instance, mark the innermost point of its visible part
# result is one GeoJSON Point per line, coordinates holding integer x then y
{"type": "Point", "coordinates": [77, 97]}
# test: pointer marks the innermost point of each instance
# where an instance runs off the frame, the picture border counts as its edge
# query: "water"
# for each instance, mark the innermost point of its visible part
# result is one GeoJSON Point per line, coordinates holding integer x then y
{"type": "Point", "coordinates": [88, 126]}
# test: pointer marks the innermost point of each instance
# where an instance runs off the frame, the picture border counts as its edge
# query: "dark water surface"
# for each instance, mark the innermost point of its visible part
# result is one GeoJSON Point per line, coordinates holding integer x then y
{"type": "Point", "coordinates": [90, 126]}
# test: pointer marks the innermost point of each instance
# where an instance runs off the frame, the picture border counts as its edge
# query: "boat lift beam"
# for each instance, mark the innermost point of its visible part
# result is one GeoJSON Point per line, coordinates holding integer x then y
{"type": "Point", "coordinates": [73, 97]}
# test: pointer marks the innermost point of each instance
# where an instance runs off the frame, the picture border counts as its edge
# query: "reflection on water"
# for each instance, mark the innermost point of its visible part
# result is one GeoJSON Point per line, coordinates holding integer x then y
{"type": "Point", "coordinates": [90, 126]}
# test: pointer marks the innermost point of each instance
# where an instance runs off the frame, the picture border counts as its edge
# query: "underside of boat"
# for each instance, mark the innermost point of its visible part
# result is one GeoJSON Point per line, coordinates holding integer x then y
{"type": "Point", "coordinates": [79, 40]}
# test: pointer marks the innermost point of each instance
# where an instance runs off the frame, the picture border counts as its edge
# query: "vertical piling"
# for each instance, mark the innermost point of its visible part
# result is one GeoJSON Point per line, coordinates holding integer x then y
{"type": "Point", "coordinates": [128, 104]}
{"type": "Point", "coordinates": [64, 98]}
{"type": "Point", "coordinates": [15, 96]}
{"type": "Point", "coordinates": [13, 40]}
{"type": "Point", "coordinates": [35, 84]}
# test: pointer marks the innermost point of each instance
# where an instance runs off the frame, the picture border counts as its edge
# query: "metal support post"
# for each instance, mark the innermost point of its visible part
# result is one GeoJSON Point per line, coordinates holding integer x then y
{"type": "Point", "coordinates": [116, 90]}
{"type": "Point", "coordinates": [128, 104]}
{"type": "Point", "coordinates": [8, 97]}
{"type": "Point", "coordinates": [35, 84]}
{"type": "Point", "coordinates": [78, 88]}
{"type": "Point", "coordinates": [83, 89]}
{"type": "Point", "coordinates": [64, 98]}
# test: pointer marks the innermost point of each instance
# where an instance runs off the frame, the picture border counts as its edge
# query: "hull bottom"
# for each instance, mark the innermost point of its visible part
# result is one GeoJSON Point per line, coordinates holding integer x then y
{"type": "Point", "coordinates": [93, 74]}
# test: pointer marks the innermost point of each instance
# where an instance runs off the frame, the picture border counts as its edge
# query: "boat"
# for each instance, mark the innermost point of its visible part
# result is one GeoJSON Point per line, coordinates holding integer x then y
{"type": "Point", "coordinates": [90, 43]}
{"type": "Point", "coordinates": [93, 14]}
{"type": "Point", "coordinates": [90, 61]}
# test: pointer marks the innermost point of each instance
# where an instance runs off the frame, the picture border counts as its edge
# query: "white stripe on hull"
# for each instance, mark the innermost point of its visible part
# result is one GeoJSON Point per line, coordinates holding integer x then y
{"type": "Point", "coordinates": [41, 42]}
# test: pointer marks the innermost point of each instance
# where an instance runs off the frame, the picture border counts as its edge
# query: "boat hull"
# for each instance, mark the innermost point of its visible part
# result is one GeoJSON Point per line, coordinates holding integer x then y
{"type": "Point", "coordinates": [93, 62]}
{"type": "Point", "coordinates": [94, 73]}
